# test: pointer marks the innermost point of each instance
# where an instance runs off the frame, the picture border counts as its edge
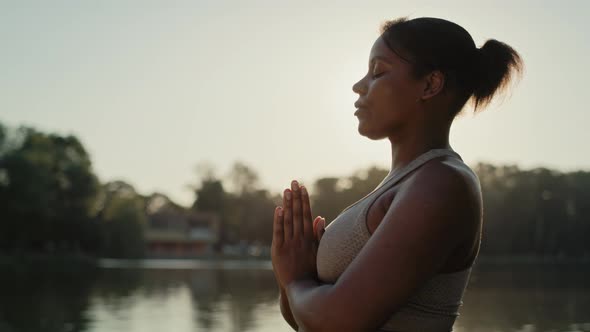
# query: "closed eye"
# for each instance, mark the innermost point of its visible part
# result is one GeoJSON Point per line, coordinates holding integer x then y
{"type": "Point", "coordinates": [375, 76]}
{"type": "Point", "coordinates": [377, 70]}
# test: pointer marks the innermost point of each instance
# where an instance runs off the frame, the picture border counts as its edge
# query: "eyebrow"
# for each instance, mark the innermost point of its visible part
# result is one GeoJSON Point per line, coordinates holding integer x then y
{"type": "Point", "coordinates": [380, 58]}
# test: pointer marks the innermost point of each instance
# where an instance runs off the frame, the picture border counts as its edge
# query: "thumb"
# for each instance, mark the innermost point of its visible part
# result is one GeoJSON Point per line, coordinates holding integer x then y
{"type": "Point", "coordinates": [319, 227]}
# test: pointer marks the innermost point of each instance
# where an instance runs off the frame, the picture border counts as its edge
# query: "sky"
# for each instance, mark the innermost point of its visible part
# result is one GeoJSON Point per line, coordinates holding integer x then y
{"type": "Point", "coordinates": [154, 88]}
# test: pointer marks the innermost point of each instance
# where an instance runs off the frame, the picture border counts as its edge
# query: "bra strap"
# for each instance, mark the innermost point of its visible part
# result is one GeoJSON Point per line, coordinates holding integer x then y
{"type": "Point", "coordinates": [414, 164]}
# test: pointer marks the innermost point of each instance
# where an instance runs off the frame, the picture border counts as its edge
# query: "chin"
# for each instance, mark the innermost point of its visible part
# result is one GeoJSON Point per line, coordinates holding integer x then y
{"type": "Point", "coordinates": [363, 131]}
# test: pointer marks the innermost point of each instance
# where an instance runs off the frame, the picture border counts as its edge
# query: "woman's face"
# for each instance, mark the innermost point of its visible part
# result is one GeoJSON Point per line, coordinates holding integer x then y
{"type": "Point", "coordinates": [388, 93]}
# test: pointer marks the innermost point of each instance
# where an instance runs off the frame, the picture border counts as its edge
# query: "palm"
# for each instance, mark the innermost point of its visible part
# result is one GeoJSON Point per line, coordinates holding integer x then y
{"type": "Point", "coordinates": [295, 237]}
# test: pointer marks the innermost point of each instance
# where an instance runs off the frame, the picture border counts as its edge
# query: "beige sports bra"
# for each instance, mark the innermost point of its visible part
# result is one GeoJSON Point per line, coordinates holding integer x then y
{"type": "Point", "coordinates": [435, 306]}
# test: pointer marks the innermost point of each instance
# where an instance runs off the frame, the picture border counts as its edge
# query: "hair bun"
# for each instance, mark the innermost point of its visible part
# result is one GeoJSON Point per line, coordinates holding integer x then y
{"type": "Point", "coordinates": [496, 64]}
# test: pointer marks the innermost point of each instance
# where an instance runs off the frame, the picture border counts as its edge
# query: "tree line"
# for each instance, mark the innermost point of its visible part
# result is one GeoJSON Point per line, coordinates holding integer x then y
{"type": "Point", "coordinates": [51, 201]}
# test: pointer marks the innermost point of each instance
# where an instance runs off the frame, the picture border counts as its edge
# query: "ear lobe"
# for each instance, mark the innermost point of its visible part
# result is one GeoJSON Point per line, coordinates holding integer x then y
{"type": "Point", "coordinates": [435, 82]}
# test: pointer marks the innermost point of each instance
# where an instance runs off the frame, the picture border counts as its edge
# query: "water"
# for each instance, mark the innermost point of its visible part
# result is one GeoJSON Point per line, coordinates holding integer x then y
{"type": "Point", "coordinates": [181, 297]}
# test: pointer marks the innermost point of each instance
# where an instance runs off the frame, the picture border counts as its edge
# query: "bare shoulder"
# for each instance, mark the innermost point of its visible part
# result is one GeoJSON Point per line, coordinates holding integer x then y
{"type": "Point", "coordinates": [448, 187]}
{"type": "Point", "coordinates": [446, 176]}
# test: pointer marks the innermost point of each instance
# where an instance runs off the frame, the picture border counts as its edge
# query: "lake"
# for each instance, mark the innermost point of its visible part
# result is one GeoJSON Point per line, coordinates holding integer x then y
{"type": "Point", "coordinates": [183, 296]}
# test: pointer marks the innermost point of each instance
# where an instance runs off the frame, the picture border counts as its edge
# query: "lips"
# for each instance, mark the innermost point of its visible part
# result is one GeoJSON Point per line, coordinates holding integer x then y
{"type": "Point", "coordinates": [359, 112]}
{"type": "Point", "coordinates": [360, 108]}
{"type": "Point", "coordinates": [358, 104]}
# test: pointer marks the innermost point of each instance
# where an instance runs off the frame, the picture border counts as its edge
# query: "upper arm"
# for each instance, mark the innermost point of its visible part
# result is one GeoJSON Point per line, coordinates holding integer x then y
{"type": "Point", "coordinates": [423, 225]}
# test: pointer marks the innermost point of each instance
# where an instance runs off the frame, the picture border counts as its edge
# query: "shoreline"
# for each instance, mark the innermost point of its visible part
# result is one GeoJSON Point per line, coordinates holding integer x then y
{"type": "Point", "coordinates": [234, 261]}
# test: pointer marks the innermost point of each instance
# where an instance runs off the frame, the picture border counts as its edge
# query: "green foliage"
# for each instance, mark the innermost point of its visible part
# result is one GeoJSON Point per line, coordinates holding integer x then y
{"type": "Point", "coordinates": [122, 221]}
{"type": "Point", "coordinates": [537, 212]}
{"type": "Point", "coordinates": [250, 216]}
{"type": "Point", "coordinates": [211, 197]}
{"type": "Point", "coordinates": [52, 202]}
{"type": "Point", "coordinates": [246, 213]}
{"type": "Point", "coordinates": [47, 191]}
{"type": "Point", "coordinates": [331, 195]}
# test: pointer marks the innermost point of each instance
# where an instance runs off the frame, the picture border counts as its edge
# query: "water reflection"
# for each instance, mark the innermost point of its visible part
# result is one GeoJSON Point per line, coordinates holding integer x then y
{"type": "Point", "coordinates": [47, 297]}
{"type": "Point", "coordinates": [84, 298]}
{"type": "Point", "coordinates": [527, 298]}
{"type": "Point", "coordinates": [185, 300]}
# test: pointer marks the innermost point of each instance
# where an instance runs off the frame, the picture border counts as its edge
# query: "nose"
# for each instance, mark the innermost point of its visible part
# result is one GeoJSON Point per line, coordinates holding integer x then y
{"type": "Point", "coordinates": [360, 87]}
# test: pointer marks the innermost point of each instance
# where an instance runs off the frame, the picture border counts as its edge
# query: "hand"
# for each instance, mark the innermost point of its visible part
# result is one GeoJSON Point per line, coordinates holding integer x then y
{"type": "Point", "coordinates": [295, 237]}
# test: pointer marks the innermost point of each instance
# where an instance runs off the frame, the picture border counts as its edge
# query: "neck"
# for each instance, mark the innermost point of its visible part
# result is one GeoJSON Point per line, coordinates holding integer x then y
{"type": "Point", "coordinates": [412, 142]}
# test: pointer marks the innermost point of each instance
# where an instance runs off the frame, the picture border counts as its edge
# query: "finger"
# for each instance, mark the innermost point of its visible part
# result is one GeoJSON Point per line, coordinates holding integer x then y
{"type": "Point", "coordinates": [306, 210]}
{"type": "Point", "coordinates": [319, 227]}
{"type": "Point", "coordinates": [287, 215]}
{"type": "Point", "coordinates": [297, 213]}
{"type": "Point", "coordinates": [278, 229]}
{"type": "Point", "coordinates": [316, 222]}
{"type": "Point", "coordinates": [315, 227]}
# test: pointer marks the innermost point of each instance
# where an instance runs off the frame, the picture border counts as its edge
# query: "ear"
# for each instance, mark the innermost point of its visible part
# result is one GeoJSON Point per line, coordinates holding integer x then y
{"type": "Point", "coordinates": [433, 84]}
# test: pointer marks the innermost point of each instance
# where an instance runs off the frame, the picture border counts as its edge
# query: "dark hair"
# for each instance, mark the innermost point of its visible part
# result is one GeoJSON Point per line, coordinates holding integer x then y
{"type": "Point", "coordinates": [436, 44]}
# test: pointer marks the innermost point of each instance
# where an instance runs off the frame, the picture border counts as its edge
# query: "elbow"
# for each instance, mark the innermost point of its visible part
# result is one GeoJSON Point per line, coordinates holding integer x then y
{"type": "Point", "coordinates": [322, 311]}
{"type": "Point", "coordinates": [289, 319]}
{"type": "Point", "coordinates": [334, 318]}
{"type": "Point", "coordinates": [313, 326]}
{"type": "Point", "coordinates": [286, 312]}
{"type": "Point", "coordinates": [314, 321]}
{"type": "Point", "coordinates": [324, 323]}
{"type": "Point", "coordinates": [327, 327]}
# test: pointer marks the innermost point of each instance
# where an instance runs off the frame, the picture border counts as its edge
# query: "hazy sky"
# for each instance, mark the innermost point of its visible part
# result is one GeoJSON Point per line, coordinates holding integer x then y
{"type": "Point", "coordinates": [152, 88]}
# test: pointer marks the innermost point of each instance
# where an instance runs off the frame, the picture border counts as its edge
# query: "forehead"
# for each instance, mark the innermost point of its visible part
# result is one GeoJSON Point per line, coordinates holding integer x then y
{"type": "Point", "coordinates": [380, 51]}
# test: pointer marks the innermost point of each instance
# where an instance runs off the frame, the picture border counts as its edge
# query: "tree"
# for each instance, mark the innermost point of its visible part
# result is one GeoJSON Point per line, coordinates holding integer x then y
{"type": "Point", "coordinates": [243, 178]}
{"type": "Point", "coordinates": [332, 195]}
{"type": "Point", "coordinates": [122, 218]}
{"type": "Point", "coordinates": [246, 212]}
{"type": "Point", "coordinates": [47, 192]}
{"type": "Point", "coordinates": [211, 197]}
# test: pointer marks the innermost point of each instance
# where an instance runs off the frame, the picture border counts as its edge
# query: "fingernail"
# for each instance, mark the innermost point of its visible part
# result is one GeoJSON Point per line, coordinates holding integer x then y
{"type": "Point", "coordinates": [303, 190]}
{"type": "Point", "coordinates": [288, 194]}
{"type": "Point", "coordinates": [280, 212]}
{"type": "Point", "coordinates": [294, 185]}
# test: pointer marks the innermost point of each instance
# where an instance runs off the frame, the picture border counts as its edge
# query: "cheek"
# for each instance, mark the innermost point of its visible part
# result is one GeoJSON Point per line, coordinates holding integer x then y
{"type": "Point", "coordinates": [391, 104]}
{"type": "Point", "coordinates": [380, 93]}
{"type": "Point", "coordinates": [390, 94]}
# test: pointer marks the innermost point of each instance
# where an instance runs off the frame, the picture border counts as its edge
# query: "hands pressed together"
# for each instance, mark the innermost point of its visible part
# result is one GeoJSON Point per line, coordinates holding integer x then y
{"type": "Point", "coordinates": [295, 237]}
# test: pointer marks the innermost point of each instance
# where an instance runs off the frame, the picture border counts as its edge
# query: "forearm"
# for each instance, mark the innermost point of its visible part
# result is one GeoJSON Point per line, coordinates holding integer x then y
{"type": "Point", "coordinates": [286, 310]}
{"type": "Point", "coordinates": [309, 303]}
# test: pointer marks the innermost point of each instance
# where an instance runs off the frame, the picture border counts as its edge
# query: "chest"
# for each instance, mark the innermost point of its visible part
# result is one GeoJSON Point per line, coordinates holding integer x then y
{"type": "Point", "coordinates": [347, 234]}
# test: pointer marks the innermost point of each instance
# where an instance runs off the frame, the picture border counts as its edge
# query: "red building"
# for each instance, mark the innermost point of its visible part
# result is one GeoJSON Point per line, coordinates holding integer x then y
{"type": "Point", "coordinates": [178, 234]}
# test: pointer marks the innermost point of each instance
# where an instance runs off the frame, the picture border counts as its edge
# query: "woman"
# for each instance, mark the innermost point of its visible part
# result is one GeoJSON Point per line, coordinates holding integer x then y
{"type": "Point", "coordinates": [400, 258]}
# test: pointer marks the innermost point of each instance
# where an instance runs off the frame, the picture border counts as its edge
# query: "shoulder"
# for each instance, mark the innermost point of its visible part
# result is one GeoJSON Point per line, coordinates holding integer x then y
{"type": "Point", "coordinates": [443, 191]}
{"type": "Point", "coordinates": [421, 229]}
{"type": "Point", "coordinates": [445, 180]}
